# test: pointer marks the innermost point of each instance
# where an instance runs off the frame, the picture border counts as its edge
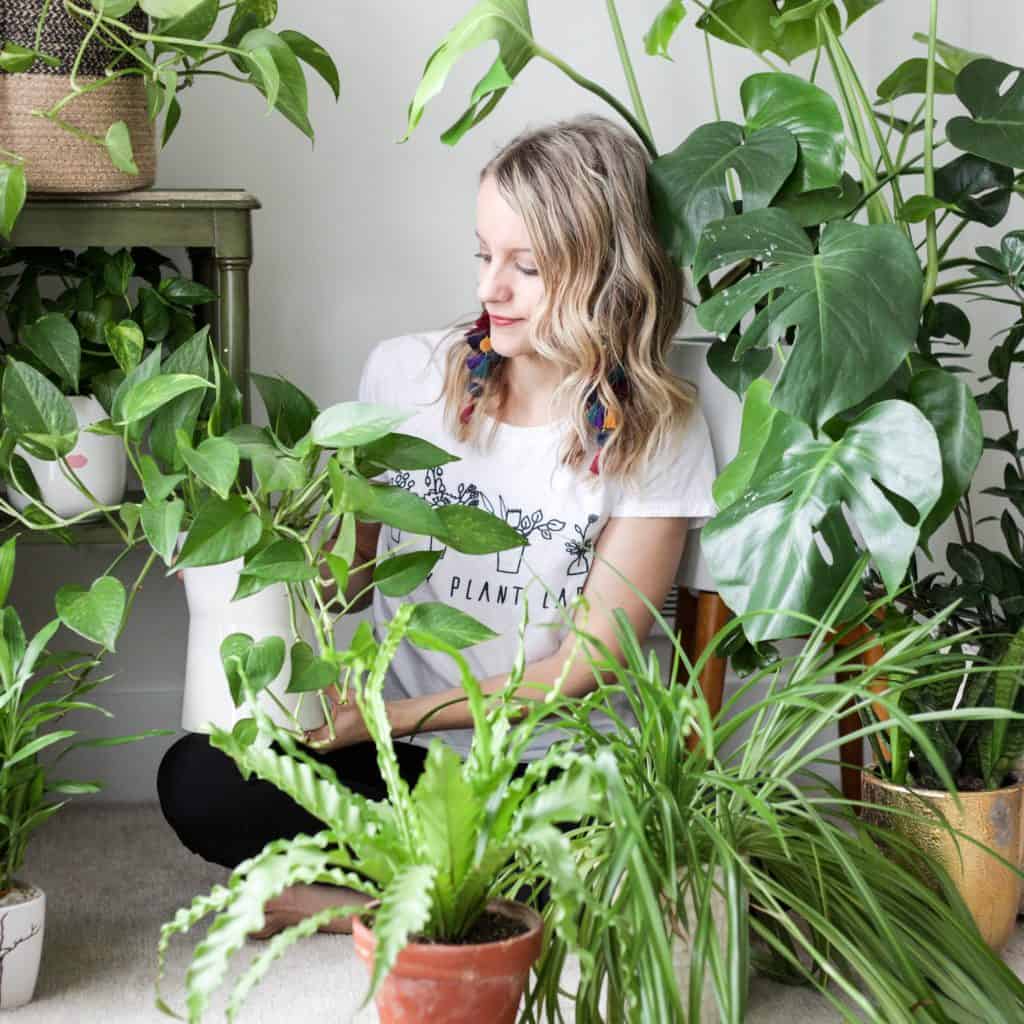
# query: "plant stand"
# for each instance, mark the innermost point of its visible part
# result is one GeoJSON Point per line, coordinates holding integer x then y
{"type": "Point", "coordinates": [214, 226]}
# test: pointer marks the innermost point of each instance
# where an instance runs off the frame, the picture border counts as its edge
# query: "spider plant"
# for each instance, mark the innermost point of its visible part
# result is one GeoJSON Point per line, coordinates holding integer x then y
{"type": "Point", "coordinates": [724, 834]}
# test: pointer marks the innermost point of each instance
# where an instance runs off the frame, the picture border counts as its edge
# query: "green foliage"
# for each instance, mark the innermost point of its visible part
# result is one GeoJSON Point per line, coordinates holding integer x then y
{"type": "Point", "coordinates": [721, 834]}
{"type": "Point", "coordinates": [432, 857]}
{"type": "Point", "coordinates": [37, 689]}
{"type": "Point", "coordinates": [170, 56]}
{"type": "Point", "coordinates": [92, 328]}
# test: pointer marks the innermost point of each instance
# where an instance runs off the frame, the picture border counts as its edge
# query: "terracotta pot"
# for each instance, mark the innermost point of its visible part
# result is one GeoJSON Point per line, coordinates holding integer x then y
{"type": "Point", "coordinates": [991, 890]}
{"type": "Point", "coordinates": [437, 984]}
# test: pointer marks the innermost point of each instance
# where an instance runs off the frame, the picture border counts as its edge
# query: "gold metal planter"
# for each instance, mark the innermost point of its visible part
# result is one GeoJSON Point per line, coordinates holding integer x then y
{"type": "Point", "coordinates": [991, 890]}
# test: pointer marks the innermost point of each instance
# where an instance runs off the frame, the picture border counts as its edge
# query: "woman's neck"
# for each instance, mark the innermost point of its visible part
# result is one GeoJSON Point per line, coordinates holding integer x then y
{"type": "Point", "coordinates": [530, 383]}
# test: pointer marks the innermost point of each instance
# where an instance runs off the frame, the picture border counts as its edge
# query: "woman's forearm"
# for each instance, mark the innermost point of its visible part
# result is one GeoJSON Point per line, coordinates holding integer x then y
{"type": "Point", "coordinates": [449, 709]}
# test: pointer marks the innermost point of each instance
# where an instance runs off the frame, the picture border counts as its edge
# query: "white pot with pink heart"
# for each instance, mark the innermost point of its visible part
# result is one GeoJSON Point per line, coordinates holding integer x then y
{"type": "Point", "coordinates": [92, 473]}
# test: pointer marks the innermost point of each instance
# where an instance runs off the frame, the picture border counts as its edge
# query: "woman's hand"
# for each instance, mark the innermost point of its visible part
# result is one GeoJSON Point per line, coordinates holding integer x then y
{"type": "Point", "coordinates": [349, 727]}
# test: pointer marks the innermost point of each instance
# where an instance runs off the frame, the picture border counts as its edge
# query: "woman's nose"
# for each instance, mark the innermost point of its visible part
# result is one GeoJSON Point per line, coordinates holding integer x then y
{"type": "Point", "coordinates": [494, 285]}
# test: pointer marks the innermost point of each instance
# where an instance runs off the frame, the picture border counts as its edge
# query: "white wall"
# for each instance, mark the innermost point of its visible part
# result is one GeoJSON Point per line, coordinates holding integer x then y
{"type": "Point", "coordinates": [360, 238]}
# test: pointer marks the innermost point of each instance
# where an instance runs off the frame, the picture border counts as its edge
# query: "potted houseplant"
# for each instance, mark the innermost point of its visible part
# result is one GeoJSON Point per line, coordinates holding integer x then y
{"type": "Point", "coordinates": [249, 515]}
{"type": "Point", "coordinates": [722, 844]}
{"type": "Point", "coordinates": [38, 689]}
{"type": "Point", "coordinates": [84, 341]}
{"type": "Point", "coordinates": [770, 258]}
{"type": "Point", "coordinates": [436, 943]}
{"type": "Point", "coordinates": [907, 794]}
{"type": "Point", "coordinates": [65, 65]}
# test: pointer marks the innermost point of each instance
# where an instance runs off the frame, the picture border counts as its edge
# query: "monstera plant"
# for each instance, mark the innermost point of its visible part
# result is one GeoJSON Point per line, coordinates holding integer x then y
{"type": "Point", "coordinates": [802, 227]}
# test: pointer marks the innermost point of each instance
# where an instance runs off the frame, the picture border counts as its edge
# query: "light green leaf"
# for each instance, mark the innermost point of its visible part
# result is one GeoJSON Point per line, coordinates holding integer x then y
{"type": "Point", "coordinates": [15, 59]}
{"type": "Point", "coordinates": [7, 555]}
{"type": "Point", "coordinates": [350, 424]}
{"type": "Point", "coordinates": [659, 35]}
{"type": "Point", "coordinates": [313, 54]}
{"type": "Point", "coordinates": [96, 613]}
{"type": "Point", "coordinates": [154, 483]}
{"type": "Point", "coordinates": [126, 341]}
{"type": "Point", "coordinates": [290, 96]}
{"type": "Point", "coordinates": [763, 549]}
{"type": "Point", "coordinates": [13, 189]}
{"type": "Point", "coordinates": [956, 58]}
{"type": "Point", "coordinates": [53, 340]}
{"type": "Point", "coordinates": [265, 74]}
{"type": "Point", "coordinates": [400, 574]}
{"type": "Point", "coordinates": [450, 812]}
{"type": "Point", "coordinates": [161, 523]}
{"type": "Point", "coordinates": [181, 413]}
{"type": "Point", "coordinates": [148, 396]}
{"type": "Point", "coordinates": [214, 462]}
{"type": "Point", "coordinates": [222, 531]}
{"type": "Point", "coordinates": [168, 8]}
{"type": "Point", "coordinates": [119, 146]}
{"type": "Point", "coordinates": [475, 531]}
{"type": "Point", "coordinates": [310, 674]}
{"type": "Point", "coordinates": [404, 909]}
{"type": "Point", "coordinates": [403, 451]}
{"type": "Point", "coordinates": [37, 413]}
{"type": "Point", "coordinates": [505, 21]}
{"type": "Point", "coordinates": [449, 625]}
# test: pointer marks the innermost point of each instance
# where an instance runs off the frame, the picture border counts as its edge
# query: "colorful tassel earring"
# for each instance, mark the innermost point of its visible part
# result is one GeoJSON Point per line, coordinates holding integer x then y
{"type": "Point", "coordinates": [480, 361]}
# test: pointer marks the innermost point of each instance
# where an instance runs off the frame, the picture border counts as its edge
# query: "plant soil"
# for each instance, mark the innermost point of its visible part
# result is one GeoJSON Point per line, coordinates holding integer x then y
{"type": "Point", "coordinates": [488, 927]}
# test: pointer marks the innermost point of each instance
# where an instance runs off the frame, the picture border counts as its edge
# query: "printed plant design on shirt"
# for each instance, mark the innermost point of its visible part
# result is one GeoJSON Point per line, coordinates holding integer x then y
{"type": "Point", "coordinates": [511, 561]}
{"type": "Point", "coordinates": [581, 549]}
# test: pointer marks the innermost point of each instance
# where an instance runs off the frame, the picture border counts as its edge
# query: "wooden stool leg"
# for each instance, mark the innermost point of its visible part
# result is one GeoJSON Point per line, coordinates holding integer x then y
{"type": "Point", "coordinates": [698, 618]}
{"type": "Point", "coordinates": [851, 753]}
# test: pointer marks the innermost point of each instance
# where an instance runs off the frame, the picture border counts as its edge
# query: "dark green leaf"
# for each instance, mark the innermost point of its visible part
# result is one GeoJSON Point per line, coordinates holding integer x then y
{"type": "Point", "coordinates": [222, 531]}
{"type": "Point", "coordinates": [310, 673]}
{"type": "Point", "coordinates": [910, 79]}
{"type": "Point", "coordinates": [290, 411]}
{"type": "Point", "coordinates": [400, 574]}
{"type": "Point", "coordinates": [994, 94]}
{"type": "Point", "coordinates": [37, 413]}
{"type": "Point", "coordinates": [53, 340]}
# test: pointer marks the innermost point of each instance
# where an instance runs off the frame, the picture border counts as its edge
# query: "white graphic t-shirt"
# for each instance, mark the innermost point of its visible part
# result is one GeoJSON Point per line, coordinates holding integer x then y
{"type": "Point", "coordinates": [519, 478]}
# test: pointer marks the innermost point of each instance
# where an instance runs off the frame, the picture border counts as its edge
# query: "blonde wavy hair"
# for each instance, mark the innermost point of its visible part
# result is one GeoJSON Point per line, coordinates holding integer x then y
{"type": "Point", "coordinates": [612, 295]}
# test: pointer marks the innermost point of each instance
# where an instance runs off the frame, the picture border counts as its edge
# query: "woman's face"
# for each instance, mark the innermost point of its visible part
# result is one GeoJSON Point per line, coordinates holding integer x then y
{"type": "Point", "coordinates": [510, 287]}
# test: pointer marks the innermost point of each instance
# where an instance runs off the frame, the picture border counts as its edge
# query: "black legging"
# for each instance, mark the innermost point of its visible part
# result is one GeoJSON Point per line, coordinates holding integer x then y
{"type": "Point", "coordinates": [225, 818]}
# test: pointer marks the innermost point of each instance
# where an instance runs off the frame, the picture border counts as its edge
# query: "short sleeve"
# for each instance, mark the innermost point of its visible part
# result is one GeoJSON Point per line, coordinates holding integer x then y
{"type": "Point", "coordinates": [369, 384]}
{"type": "Point", "coordinates": [678, 479]}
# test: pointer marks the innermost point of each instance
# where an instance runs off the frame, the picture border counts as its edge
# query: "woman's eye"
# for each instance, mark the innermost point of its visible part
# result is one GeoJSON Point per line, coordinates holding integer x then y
{"type": "Point", "coordinates": [483, 256]}
{"type": "Point", "coordinates": [528, 271]}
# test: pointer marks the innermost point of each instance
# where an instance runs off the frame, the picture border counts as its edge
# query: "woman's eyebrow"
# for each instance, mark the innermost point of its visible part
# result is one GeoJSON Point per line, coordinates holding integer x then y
{"type": "Point", "coordinates": [482, 242]}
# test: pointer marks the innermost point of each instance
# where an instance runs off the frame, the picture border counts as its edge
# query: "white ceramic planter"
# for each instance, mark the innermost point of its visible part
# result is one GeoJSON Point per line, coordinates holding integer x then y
{"type": "Point", "coordinates": [212, 616]}
{"type": "Point", "coordinates": [98, 460]}
{"type": "Point", "coordinates": [22, 917]}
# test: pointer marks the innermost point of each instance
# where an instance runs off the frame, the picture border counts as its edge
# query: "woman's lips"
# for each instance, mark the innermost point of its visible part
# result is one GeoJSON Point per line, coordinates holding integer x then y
{"type": "Point", "coordinates": [504, 321]}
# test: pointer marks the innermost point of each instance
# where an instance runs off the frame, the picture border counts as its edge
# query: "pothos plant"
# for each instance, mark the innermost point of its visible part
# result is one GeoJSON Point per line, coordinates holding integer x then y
{"type": "Point", "coordinates": [804, 265]}
{"type": "Point", "coordinates": [430, 857]}
{"type": "Point", "coordinates": [109, 310]}
{"type": "Point", "coordinates": [38, 688]}
{"type": "Point", "coordinates": [184, 42]}
{"type": "Point", "coordinates": [284, 498]}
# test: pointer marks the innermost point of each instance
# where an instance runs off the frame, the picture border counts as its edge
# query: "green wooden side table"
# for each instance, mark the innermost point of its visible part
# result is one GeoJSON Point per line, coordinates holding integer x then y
{"type": "Point", "coordinates": [214, 226]}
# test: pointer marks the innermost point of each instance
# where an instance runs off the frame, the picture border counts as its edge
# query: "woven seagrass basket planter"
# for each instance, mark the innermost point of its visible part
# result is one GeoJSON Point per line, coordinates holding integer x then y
{"type": "Point", "coordinates": [56, 160]}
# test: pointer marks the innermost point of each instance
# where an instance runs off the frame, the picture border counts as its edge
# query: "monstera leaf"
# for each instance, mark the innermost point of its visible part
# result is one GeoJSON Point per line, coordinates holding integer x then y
{"type": "Point", "coordinates": [688, 186]}
{"type": "Point", "coordinates": [507, 22]}
{"type": "Point", "coordinates": [980, 189]}
{"type": "Point", "coordinates": [765, 549]}
{"type": "Point", "coordinates": [785, 27]}
{"type": "Point", "coordinates": [994, 94]}
{"type": "Point", "coordinates": [853, 304]}
{"type": "Point", "coordinates": [808, 113]}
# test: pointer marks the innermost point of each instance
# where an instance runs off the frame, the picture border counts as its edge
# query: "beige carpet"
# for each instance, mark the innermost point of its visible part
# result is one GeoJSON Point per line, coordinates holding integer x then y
{"type": "Point", "coordinates": [113, 873]}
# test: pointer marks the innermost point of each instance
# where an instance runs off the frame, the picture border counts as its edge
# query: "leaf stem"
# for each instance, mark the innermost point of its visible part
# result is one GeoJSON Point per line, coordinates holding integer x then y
{"type": "Point", "coordinates": [627, 68]}
{"type": "Point", "coordinates": [932, 268]}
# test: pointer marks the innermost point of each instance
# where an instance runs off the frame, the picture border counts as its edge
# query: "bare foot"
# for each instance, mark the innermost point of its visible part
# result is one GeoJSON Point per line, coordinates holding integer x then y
{"type": "Point", "coordinates": [298, 902]}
